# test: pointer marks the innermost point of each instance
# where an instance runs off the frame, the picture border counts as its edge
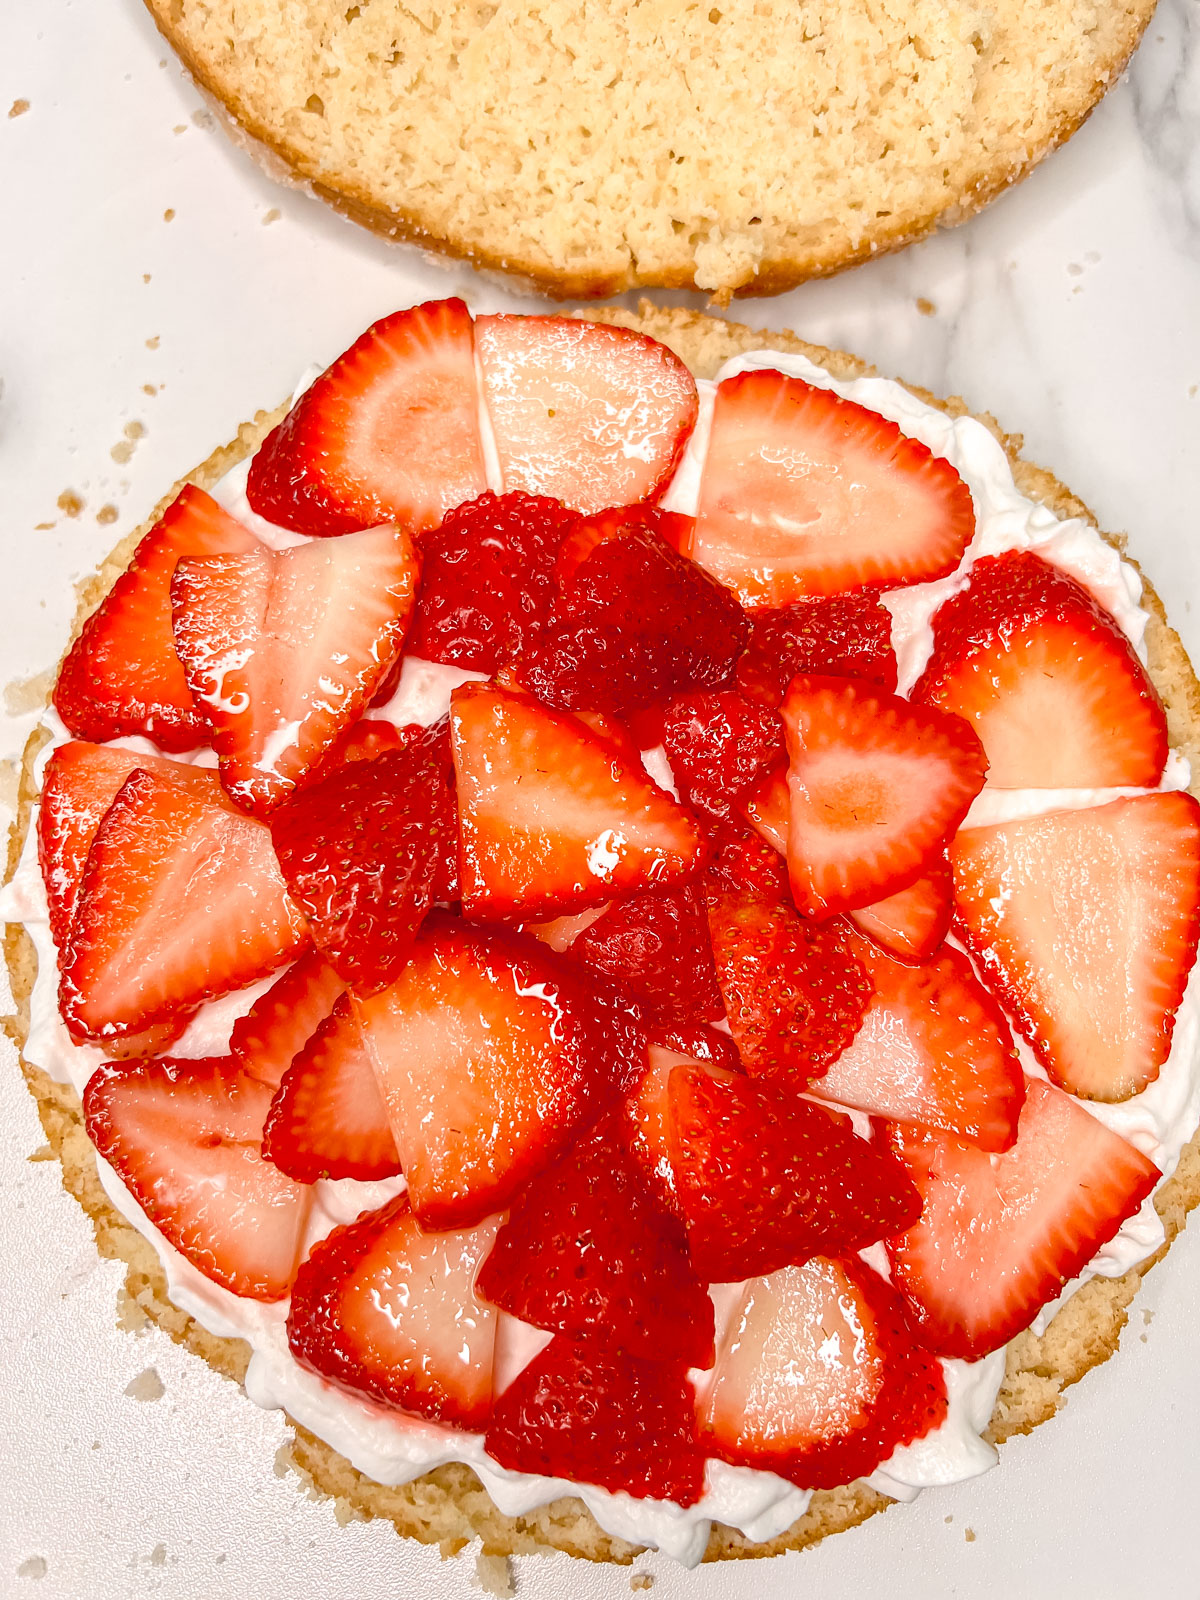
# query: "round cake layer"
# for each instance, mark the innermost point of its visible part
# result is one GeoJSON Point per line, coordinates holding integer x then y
{"type": "Point", "coordinates": [449, 1504]}
{"type": "Point", "coordinates": [736, 148]}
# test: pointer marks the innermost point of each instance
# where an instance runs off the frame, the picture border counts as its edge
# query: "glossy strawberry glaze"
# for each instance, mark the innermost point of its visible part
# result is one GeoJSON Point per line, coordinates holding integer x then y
{"type": "Point", "coordinates": [392, 1448]}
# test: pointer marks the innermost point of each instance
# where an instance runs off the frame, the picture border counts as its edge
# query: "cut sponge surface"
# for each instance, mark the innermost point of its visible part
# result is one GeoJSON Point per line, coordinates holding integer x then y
{"type": "Point", "coordinates": [736, 147]}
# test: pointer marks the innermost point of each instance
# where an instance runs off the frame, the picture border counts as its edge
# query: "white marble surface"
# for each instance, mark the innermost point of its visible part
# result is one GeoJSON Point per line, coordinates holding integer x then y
{"type": "Point", "coordinates": [1071, 309]}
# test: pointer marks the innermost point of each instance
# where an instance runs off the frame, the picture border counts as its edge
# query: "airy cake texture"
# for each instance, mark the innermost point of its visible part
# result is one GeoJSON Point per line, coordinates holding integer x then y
{"type": "Point", "coordinates": [598, 145]}
{"type": "Point", "coordinates": [448, 1506]}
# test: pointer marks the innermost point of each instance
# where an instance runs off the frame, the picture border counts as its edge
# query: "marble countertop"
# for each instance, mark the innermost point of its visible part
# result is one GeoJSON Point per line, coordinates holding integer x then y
{"type": "Point", "coordinates": [156, 289]}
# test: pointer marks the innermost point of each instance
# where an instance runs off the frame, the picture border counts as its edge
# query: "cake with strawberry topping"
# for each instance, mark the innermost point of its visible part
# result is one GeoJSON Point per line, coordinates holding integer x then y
{"type": "Point", "coordinates": [620, 940]}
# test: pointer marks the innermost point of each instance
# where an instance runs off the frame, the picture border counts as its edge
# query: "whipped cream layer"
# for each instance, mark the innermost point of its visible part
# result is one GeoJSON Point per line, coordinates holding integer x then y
{"type": "Point", "coordinates": [392, 1447]}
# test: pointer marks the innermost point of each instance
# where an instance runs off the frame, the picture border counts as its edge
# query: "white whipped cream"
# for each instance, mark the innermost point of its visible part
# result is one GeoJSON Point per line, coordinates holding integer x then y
{"type": "Point", "coordinates": [392, 1447]}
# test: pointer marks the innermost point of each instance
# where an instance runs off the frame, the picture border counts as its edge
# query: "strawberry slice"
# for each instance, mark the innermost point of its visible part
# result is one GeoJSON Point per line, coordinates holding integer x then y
{"type": "Point", "coordinates": [794, 991]}
{"type": "Point", "coordinates": [766, 1180]}
{"type": "Point", "coordinates": [594, 1415]}
{"type": "Point", "coordinates": [1025, 646]}
{"type": "Point", "coordinates": [696, 1043]}
{"type": "Point", "coordinates": [360, 851]}
{"type": "Point", "coordinates": [818, 1378]}
{"type": "Point", "coordinates": [999, 1236]}
{"type": "Point", "coordinates": [587, 1252]}
{"type": "Point", "coordinates": [743, 861]}
{"type": "Point", "coordinates": [389, 432]}
{"type": "Point", "coordinates": [264, 1041]}
{"type": "Point", "coordinates": [594, 416]}
{"type": "Point", "coordinates": [933, 1048]}
{"type": "Point", "coordinates": [487, 1050]}
{"type": "Point", "coordinates": [382, 1309]}
{"type": "Point", "coordinates": [645, 1120]}
{"type": "Point", "coordinates": [876, 786]}
{"type": "Point", "coordinates": [588, 532]}
{"type": "Point", "coordinates": [284, 649]}
{"type": "Point", "coordinates": [181, 900]}
{"type": "Point", "coordinates": [807, 494]}
{"type": "Point", "coordinates": [1085, 924]}
{"type": "Point", "coordinates": [183, 1137]}
{"type": "Point", "coordinates": [552, 819]}
{"type": "Point", "coordinates": [634, 624]}
{"type": "Point", "coordinates": [328, 1119]}
{"type": "Point", "coordinates": [79, 784]}
{"type": "Point", "coordinates": [655, 949]}
{"type": "Point", "coordinates": [841, 635]}
{"type": "Point", "coordinates": [122, 676]}
{"type": "Point", "coordinates": [487, 586]}
{"type": "Point", "coordinates": [720, 745]}
{"type": "Point", "coordinates": [912, 923]}
{"type": "Point", "coordinates": [372, 737]}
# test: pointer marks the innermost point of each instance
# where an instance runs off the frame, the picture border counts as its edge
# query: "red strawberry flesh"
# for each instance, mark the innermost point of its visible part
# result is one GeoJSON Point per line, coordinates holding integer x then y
{"type": "Point", "coordinates": [844, 635]}
{"type": "Point", "coordinates": [655, 949]}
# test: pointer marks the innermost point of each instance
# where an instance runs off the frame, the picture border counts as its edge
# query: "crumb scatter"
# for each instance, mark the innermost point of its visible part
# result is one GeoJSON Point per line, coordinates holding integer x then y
{"type": "Point", "coordinates": [107, 514]}
{"type": "Point", "coordinates": [70, 502]}
{"type": "Point", "coordinates": [23, 695]}
{"type": "Point", "coordinates": [926, 307]}
{"type": "Point", "coordinates": [34, 1567]}
{"type": "Point", "coordinates": [146, 1386]}
{"type": "Point", "coordinates": [969, 1535]}
{"type": "Point", "coordinates": [494, 1575]}
{"type": "Point", "coordinates": [18, 108]}
{"type": "Point", "coordinates": [641, 1580]}
{"type": "Point", "coordinates": [44, 1152]}
{"type": "Point", "coordinates": [152, 342]}
{"type": "Point", "coordinates": [169, 214]}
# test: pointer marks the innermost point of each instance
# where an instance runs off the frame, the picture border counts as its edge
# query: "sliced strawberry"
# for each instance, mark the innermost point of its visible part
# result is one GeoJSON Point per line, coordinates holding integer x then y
{"type": "Point", "coordinates": [586, 1251]}
{"type": "Point", "coordinates": [283, 1019]}
{"type": "Point", "coordinates": [645, 1120]}
{"type": "Point", "coordinates": [1085, 924]}
{"type": "Point", "coordinates": [328, 1119]}
{"type": "Point", "coordinates": [999, 1236]}
{"type": "Point", "coordinates": [807, 494]}
{"type": "Point", "coordinates": [719, 746]}
{"type": "Point", "coordinates": [389, 432]}
{"type": "Point", "coordinates": [552, 819]}
{"type": "Point", "coordinates": [933, 1048]}
{"type": "Point", "coordinates": [876, 786]}
{"type": "Point", "coordinates": [597, 529]}
{"type": "Point", "coordinates": [636, 623]}
{"type": "Point", "coordinates": [818, 1378]}
{"type": "Point", "coordinates": [1026, 647]}
{"type": "Point", "coordinates": [842, 635]}
{"type": "Point", "coordinates": [284, 649]}
{"type": "Point", "coordinates": [382, 1309]}
{"type": "Point", "coordinates": [360, 850]}
{"type": "Point", "coordinates": [589, 1414]}
{"type": "Point", "coordinates": [79, 784]}
{"type": "Point", "coordinates": [487, 585]}
{"type": "Point", "coordinates": [183, 1137]}
{"type": "Point", "coordinates": [594, 416]}
{"type": "Point", "coordinates": [374, 737]}
{"type": "Point", "coordinates": [794, 991]}
{"type": "Point", "coordinates": [913, 922]}
{"type": "Point", "coordinates": [122, 676]}
{"type": "Point", "coordinates": [655, 949]}
{"type": "Point", "coordinates": [487, 1050]}
{"type": "Point", "coordinates": [615, 732]}
{"type": "Point", "coordinates": [181, 900]}
{"type": "Point", "coordinates": [742, 860]}
{"type": "Point", "coordinates": [697, 1044]}
{"type": "Point", "coordinates": [766, 1180]}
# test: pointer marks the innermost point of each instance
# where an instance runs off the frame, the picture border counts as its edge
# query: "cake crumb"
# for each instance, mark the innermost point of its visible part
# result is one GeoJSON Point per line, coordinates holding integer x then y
{"type": "Point", "coordinates": [641, 1580]}
{"type": "Point", "coordinates": [449, 1548]}
{"type": "Point", "coordinates": [44, 527]}
{"type": "Point", "coordinates": [107, 513]}
{"type": "Point", "coordinates": [1074, 269]}
{"type": "Point", "coordinates": [283, 1459]}
{"type": "Point", "coordinates": [169, 214]}
{"type": "Point", "coordinates": [152, 342]}
{"type": "Point", "coordinates": [272, 216]}
{"type": "Point", "coordinates": [35, 1567]}
{"type": "Point", "coordinates": [18, 108]}
{"type": "Point", "coordinates": [23, 695]}
{"type": "Point", "coordinates": [123, 451]}
{"type": "Point", "coordinates": [150, 389]}
{"type": "Point", "coordinates": [145, 277]}
{"type": "Point", "coordinates": [180, 127]}
{"type": "Point", "coordinates": [1147, 1316]}
{"type": "Point", "coordinates": [926, 307]}
{"type": "Point", "coordinates": [203, 119]}
{"type": "Point", "coordinates": [70, 502]}
{"type": "Point", "coordinates": [131, 1318]}
{"type": "Point", "coordinates": [344, 1513]}
{"type": "Point", "coordinates": [494, 1575]}
{"type": "Point", "coordinates": [949, 1520]}
{"type": "Point", "coordinates": [158, 1556]}
{"type": "Point", "coordinates": [43, 1151]}
{"type": "Point", "coordinates": [146, 1386]}
{"type": "Point", "coordinates": [969, 1535]}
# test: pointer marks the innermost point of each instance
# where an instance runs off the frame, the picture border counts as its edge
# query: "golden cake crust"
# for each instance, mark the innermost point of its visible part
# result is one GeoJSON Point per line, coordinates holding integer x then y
{"type": "Point", "coordinates": [595, 146]}
{"type": "Point", "coordinates": [449, 1506]}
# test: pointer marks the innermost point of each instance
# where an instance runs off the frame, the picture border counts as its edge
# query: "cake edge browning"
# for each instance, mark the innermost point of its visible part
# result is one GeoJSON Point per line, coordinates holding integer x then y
{"type": "Point", "coordinates": [449, 1506]}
